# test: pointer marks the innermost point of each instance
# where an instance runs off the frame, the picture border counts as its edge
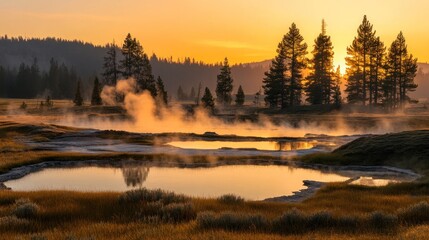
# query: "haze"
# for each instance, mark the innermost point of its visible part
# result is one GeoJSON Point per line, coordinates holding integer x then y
{"type": "Point", "coordinates": [242, 30]}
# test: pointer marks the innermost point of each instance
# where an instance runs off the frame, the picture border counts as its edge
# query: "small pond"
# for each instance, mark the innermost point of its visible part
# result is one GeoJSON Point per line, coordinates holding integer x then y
{"type": "Point", "coordinates": [253, 182]}
{"type": "Point", "coordinates": [257, 145]}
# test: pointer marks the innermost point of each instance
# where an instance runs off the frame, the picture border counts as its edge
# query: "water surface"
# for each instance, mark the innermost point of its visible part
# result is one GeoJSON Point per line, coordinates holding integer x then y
{"type": "Point", "coordinates": [258, 145]}
{"type": "Point", "coordinates": [254, 182]}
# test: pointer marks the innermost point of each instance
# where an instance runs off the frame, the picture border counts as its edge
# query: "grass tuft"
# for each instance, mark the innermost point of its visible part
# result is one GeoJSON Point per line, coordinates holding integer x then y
{"type": "Point", "coordinates": [24, 208]}
{"type": "Point", "coordinates": [414, 214]}
{"type": "Point", "coordinates": [230, 199]}
{"type": "Point", "coordinates": [145, 195]}
{"type": "Point", "coordinates": [382, 222]}
{"type": "Point", "coordinates": [292, 221]}
{"type": "Point", "coordinates": [231, 221]}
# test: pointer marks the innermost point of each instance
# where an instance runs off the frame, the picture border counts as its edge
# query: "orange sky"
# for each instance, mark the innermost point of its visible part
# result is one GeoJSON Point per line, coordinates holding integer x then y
{"type": "Point", "coordinates": [242, 30]}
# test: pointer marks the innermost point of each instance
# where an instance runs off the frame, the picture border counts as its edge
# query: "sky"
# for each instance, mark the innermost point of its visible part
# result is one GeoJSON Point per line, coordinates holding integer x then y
{"type": "Point", "coordinates": [210, 30]}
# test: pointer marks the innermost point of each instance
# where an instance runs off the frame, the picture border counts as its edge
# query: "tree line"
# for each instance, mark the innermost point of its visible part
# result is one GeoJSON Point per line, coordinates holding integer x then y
{"type": "Point", "coordinates": [29, 81]}
{"type": "Point", "coordinates": [87, 60]}
{"type": "Point", "coordinates": [374, 76]}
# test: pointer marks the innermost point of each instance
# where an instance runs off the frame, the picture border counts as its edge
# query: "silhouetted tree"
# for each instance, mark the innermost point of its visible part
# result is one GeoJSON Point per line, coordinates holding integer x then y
{"type": "Point", "coordinates": [130, 52]}
{"type": "Point", "coordinates": [207, 99]}
{"type": "Point", "coordinates": [224, 84]}
{"type": "Point", "coordinates": [136, 64]}
{"type": "Point", "coordinates": [161, 93]}
{"type": "Point", "coordinates": [53, 77]}
{"type": "Point", "coordinates": [401, 71]}
{"type": "Point", "coordinates": [320, 84]}
{"type": "Point", "coordinates": [181, 95]}
{"type": "Point", "coordinates": [110, 66]}
{"type": "Point", "coordinates": [337, 100]}
{"type": "Point", "coordinates": [78, 100]}
{"type": "Point", "coordinates": [239, 97]}
{"type": "Point", "coordinates": [274, 81]}
{"type": "Point", "coordinates": [295, 52]}
{"type": "Point", "coordinates": [23, 81]}
{"type": "Point", "coordinates": [96, 98]}
{"type": "Point", "coordinates": [377, 71]}
{"type": "Point", "coordinates": [359, 63]}
{"type": "Point", "coordinates": [144, 76]}
{"type": "Point", "coordinates": [36, 79]}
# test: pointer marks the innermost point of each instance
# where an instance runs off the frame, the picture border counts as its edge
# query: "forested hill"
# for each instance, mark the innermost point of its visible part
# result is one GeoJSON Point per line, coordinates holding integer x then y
{"type": "Point", "coordinates": [86, 60]}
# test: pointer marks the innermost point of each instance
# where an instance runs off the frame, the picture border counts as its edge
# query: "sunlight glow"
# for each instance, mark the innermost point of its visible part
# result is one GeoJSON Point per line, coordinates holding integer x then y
{"type": "Point", "coordinates": [243, 31]}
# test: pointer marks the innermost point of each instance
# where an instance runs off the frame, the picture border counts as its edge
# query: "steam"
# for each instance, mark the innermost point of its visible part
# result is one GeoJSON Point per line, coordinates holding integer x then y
{"type": "Point", "coordinates": [149, 117]}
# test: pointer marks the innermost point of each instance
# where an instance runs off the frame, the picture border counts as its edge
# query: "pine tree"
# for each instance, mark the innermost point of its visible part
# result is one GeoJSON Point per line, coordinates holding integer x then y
{"type": "Point", "coordinates": [53, 77]}
{"type": "Point", "coordinates": [295, 52]}
{"type": "Point", "coordinates": [239, 97]}
{"type": "Point", "coordinates": [161, 93]}
{"type": "Point", "coordinates": [359, 63]}
{"type": "Point", "coordinates": [110, 66]}
{"type": "Point", "coordinates": [275, 78]}
{"type": "Point", "coordinates": [96, 91]}
{"type": "Point", "coordinates": [207, 99]}
{"type": "Point", "coordinates": [144, 76]}
{"type": "Point", "coordinates": [136, 64]}
{"type": "Point", "coordinates": [320, 84]}
{"type": "Point", "coordinates": [401, 70]}
{"type": "Point", "coordinates": [78, 100]}
{"type": "Point", "coordinates": [224, 84]}
{"type": "Point", "coordinates": [337, 100]}
{"type": "Point", "coordinates": [377, 71]}
{"type": "Point", "coordinates": [181, 94]}
{"type": "Point", "coordinates": [130, 51]}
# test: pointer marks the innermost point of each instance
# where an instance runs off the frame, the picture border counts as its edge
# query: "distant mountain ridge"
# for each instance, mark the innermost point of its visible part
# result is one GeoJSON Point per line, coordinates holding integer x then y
{"type": "Point", "coordinates": [87, 60]}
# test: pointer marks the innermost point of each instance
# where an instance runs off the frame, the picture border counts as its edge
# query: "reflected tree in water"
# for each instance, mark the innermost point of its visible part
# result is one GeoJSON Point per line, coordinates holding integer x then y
{"type": "Point", "coordinates": [289, 146]}
{"type": "Point", "coordinates": [135, 175]}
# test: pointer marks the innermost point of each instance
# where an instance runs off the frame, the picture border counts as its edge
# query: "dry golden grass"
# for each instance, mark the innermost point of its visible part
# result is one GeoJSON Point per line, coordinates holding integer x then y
{"type": "Point", "coordinates": [101, 216]}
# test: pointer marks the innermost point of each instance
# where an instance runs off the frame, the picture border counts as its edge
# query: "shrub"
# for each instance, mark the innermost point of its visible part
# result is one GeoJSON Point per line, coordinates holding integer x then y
{"type": "Point", "coordinates": [382, 222]}
{"type": "Point", "coordinates": [178, 212]}
{"type": "Point", "coordinates": [230, 199]}
{"type": "Point", "coordinates": [145, 195]}
{"type": "Point", "coordinates": [292, 221]}
{"type": "Point", "coordinates": [231, 221]}
{"type": "Point", "coordinates": [150, 209]}
{"type": "Point", "coordinates": [321, 220]}
{"type": "Point", "coordinates": [347, 223]}
{"type": "Point", "coordinates": [414, 214]}
{"type": "Point", "coordinates": [24, 208]}
{"type": "Point", "coordinates": [206, 220]}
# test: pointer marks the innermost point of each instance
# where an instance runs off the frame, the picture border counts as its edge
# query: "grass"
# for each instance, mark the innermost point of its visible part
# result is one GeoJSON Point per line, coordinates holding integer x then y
{"type": "Point", "coordinates": [80, 215]}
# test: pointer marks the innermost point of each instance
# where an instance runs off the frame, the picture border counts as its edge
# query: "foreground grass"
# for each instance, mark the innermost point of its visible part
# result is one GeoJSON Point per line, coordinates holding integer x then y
{"type": "Point", "coordinates": [77, 215]}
